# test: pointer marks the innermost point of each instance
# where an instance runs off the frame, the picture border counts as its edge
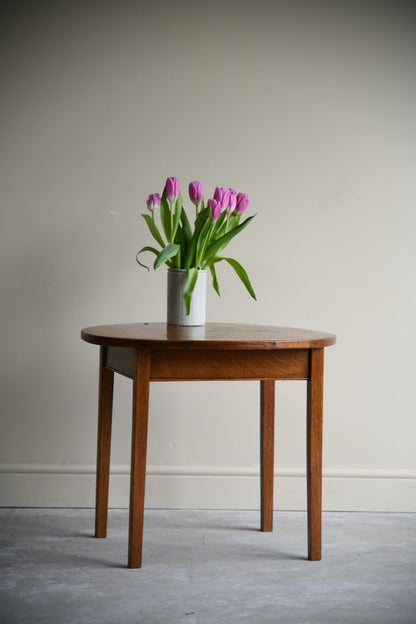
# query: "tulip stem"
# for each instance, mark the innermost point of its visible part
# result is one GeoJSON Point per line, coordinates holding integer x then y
{"type": "Point", "coordinates": [171, 221]}
{"type": "Point", "coordinates": [227, 223]}
{"type": "Point", "coordinates": [204, 246]}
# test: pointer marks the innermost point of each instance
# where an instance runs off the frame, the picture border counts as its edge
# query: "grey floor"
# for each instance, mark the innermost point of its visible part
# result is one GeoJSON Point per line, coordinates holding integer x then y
{"type": "Point", "coordinates": [206, 566]}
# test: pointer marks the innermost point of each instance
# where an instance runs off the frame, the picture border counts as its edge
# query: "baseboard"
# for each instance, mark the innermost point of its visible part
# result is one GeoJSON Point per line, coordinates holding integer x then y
{"type": "Point", "coordinates": [207, 487]}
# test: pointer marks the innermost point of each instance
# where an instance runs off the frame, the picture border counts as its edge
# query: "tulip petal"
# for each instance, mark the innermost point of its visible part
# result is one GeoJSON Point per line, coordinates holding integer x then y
{"type": "Point", "coordinates": [172, 188]}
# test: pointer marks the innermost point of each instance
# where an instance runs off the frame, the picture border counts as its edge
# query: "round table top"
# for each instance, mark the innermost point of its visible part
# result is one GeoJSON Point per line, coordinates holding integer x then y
{"type": "Point", "coordinates": [209, 336]}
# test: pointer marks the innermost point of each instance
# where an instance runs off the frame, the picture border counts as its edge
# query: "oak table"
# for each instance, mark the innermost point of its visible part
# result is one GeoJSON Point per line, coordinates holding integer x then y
{"type": "Point", "coordinates": [147, 352]}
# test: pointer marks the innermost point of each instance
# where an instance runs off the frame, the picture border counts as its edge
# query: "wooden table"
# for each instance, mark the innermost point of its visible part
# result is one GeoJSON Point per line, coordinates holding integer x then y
{"type": "Point", "coordinates": [147, 352]}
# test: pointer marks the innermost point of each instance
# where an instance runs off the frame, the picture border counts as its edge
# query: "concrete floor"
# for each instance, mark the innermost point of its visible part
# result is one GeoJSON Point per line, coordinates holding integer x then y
{"type": "Point", "coordinates": [206, 567]}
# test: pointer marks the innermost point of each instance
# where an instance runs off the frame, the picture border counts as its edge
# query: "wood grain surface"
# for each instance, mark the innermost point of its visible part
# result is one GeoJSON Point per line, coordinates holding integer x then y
{"type": "Point", "coordinates": [213, 335]}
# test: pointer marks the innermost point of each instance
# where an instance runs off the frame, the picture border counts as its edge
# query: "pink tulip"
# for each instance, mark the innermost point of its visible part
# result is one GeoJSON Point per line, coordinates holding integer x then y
{"type": "Point", "coordinates": [215, 207]}
{"type": "Point", "coordinates": [232, 202]}
{"type": "Point", "coordinates": [242, 203]}
{"type": "Point", "coordinates": [222, 195]}
{"type": "Point", "coordinates": [172, 189]}
{"type": "Point", "coordinates": [153, 201]}
{"type": "Point", "coordinates": [196, 192]}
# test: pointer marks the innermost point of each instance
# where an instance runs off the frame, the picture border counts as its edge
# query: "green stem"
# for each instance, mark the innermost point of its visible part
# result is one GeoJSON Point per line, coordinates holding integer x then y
{"type": "Point", "coordinates": [171, 221]}
{"type": "Point", "coordinates": [227, 224]}
{"type": "Point", "coordinates": [206, 241]}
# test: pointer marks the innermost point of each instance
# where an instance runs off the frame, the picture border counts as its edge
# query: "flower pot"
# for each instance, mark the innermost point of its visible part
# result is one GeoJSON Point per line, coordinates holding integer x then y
{"type": "Point", "coordinates": [176, 312]}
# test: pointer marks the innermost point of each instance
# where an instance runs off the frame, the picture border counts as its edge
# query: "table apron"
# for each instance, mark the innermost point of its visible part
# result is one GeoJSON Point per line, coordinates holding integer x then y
{"type": "Point", "coordinates": [213, 365]}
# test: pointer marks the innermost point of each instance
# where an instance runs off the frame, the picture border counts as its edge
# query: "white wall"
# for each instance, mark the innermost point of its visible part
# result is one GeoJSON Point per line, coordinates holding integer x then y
{"type": "Point", "coordinates": [307, 107]}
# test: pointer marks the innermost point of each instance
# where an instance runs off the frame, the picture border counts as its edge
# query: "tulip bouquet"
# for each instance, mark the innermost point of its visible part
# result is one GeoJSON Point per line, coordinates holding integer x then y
{"type": "Point", "coordinates": [199, 247]}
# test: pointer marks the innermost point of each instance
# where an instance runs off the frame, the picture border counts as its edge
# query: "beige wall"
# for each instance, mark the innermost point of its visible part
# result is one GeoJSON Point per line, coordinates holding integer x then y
{"type": "Point", "coordinates": [310, 109]}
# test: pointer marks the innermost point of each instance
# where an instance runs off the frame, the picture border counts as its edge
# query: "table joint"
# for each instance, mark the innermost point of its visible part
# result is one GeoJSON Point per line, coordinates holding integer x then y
{"type": "Point", "coordinates": [121, 360]}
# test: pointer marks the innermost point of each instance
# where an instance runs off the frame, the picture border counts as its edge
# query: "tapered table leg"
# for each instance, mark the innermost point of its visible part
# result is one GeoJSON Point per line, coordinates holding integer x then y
{"type": "Point", "coordinates": [267, 393]}
{"type": "Point", "coordinates": [105, 413]}
{"type": "Point", "coordinates": [141, 386]}
{"type": "Point", "coordinates": [314, 452]}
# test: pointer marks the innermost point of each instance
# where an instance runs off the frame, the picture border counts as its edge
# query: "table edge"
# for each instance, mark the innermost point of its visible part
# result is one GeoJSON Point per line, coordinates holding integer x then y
{"type": "Point", "coordinates": [321, 340]}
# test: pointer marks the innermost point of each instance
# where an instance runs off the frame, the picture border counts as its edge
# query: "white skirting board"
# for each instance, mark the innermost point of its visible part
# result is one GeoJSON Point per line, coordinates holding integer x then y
{"type": "Point", "coordinates": [207, 487]}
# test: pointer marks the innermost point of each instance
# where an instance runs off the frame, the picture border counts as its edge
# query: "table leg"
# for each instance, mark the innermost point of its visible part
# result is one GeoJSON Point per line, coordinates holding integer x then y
{"type": "Point", "coordinates": [105, 413]}
{"type": "Point", "coordinates": [141, 386]}
{"type": "Point", "coordinates": [314, 452]}
{"type": "Point", "coordinates": [267, 393]}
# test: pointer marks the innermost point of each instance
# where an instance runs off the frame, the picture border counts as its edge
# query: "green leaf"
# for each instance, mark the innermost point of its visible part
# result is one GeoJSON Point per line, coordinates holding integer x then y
{"type": "Point", "coordinates": [165, 215]}
{"type": "Point", "coordinates": [189, 288]}
{"type": "Point", "coordinates": [242, 274]}
{"type": "Point", "coordinates": [147, 248]}
{"type": "Point", "coordinates": [202, 241]}
{"type": "Point", "coordinates": [223, 240]}
{"type": "Point", "coordinates": [202, 218]}
{"type": "Point", "coordinates": [219, 222]}
{"type": "Point", "coordinates": [215, 280]}
{"type": "Point", "coordinates": [166, 254]}
{"type": "Point", "coordinates": [177, 216]}
{"type": "Point", "coordinates": [186, 226]}
{"type": "Point", "coordinates": [183, 244]}
{"type": "Point", "coordinates": [153, 229]}
{"type": "Point", "coordinates": [234, 220]}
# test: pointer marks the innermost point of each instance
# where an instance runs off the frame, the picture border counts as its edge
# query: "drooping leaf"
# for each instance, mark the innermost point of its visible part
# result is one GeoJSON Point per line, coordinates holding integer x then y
{"type": "Point", "coordinates": [147, 248]}
{"type": "Point", "coordinates": [189, 288]}
{"type": "Point", "coordinates": [242, 274]}
{"type": "Point", "coordinates": [166, 254]}
{"type": "Point", "coordinates": [214, 279]}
